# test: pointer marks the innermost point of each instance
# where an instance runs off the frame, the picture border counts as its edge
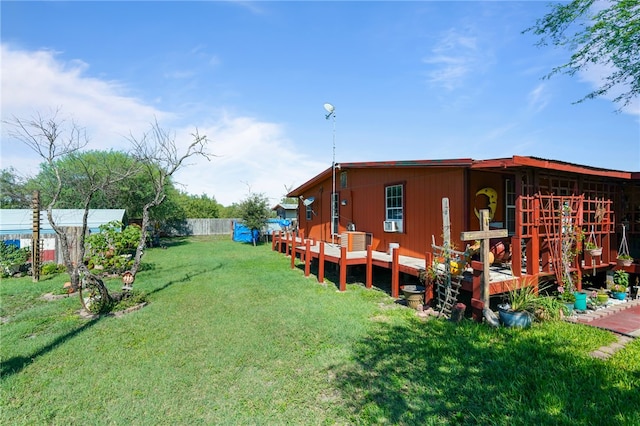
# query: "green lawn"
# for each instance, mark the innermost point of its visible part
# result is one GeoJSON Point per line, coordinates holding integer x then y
{"type": "Point", "coordinates": [233, 336]}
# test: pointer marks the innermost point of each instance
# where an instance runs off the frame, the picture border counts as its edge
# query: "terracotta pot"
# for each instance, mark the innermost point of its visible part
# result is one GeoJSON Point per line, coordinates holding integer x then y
{"type": "Point", "coordinates": [414, 295]}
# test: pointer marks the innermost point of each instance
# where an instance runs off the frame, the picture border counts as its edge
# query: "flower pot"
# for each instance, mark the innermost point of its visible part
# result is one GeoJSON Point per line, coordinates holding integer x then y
{"type": "Point", "coordinates": [581, 301]}
{"type": "Point", "coordinates": [414, 295]}
{"type": "Point", "coordinates": [624, 262]}
{"type": "Point", "coordinates": [509, 318]}
{"type": "Point", "coordinates": [595, 252]}
{"type": "Point", "coordinates": [620, 295]}
{"type": "Point", "coordinates": [602, 298]}
{"type": "Point", "coordinates": [569, 307]}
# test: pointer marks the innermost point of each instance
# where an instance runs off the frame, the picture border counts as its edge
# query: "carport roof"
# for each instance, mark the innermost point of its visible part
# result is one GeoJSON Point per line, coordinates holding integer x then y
{"type": "Point", "coordinates": [19, 221]}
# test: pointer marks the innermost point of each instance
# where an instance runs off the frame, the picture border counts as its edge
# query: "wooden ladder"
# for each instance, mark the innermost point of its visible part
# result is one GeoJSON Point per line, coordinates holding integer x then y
{"type": "Point", "coordinates": [447, 284]}
{"type": "Point", "coordinates": [447, 295]}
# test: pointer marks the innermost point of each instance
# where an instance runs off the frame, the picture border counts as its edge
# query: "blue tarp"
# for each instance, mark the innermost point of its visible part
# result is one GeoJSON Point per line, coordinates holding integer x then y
{"type": "Point", "coordinates": [243, 234]}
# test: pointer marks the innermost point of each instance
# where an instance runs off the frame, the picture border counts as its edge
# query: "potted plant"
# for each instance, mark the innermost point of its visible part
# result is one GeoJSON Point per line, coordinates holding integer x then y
{"type": "Point", "coordinates": [601, 296]}
{"type": "Point", "coordinates": [591, 248]}
{"type": "Point", "coordinates": [621, 282]}
{"type": "Point", "coordinates": [520, 307]}
{"type": "Point", "coordinates": [625, 260]}
{"type": "Point", "coordinates": [568, 298]}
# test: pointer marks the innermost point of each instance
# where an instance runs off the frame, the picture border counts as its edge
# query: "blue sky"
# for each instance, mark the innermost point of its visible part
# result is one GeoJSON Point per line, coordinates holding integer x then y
{"type": "Point", "coordinates": [409, 80]}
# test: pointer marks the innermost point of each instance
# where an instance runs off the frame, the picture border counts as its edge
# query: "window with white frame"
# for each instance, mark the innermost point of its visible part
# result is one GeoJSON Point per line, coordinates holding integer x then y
{"type": "Point", "coordinates": [335, 213]}
{"type": "Point", "coordinates": [343, 180]}
{"type": "Point", "coordinates": [510, 205]}
{"type": "Point", "coordinates": [394, 203]}
{"type": "Point", "coordinates": [309, 212]}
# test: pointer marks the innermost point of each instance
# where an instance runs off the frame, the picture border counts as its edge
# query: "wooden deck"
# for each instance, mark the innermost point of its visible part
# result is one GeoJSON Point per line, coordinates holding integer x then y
{"type": "Point", "coordinates": [307, 250]}
{"type": "Point", "coordinates": [501, 279]}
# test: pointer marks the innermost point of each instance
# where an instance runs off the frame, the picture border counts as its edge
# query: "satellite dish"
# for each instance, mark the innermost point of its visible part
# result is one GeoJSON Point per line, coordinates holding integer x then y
{"type": "Point", "coordinates": [309, 201]}
{"type": "Point", "coordinates": [330, 108]}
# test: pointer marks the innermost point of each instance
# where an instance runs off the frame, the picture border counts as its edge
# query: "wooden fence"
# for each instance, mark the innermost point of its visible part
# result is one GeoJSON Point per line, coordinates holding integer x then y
{"type": "Point", "coordinates": [209, 227]}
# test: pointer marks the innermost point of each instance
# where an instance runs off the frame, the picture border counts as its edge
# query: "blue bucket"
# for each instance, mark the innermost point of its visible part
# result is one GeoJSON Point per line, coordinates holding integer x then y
{"type": "Point", "coordinates": [581, 301]}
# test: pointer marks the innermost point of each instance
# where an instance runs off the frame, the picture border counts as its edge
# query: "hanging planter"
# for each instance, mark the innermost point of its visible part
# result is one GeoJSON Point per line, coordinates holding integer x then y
{"type": "Point", "coordinates": [591, 246]}
{"type": "Point", "coordinates": [594, 252]}
{"type": "Point", "coordinates": [624, 258]}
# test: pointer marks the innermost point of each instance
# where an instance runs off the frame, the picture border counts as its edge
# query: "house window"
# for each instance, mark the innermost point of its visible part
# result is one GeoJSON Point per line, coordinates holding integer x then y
{"type": "Point", "coordinates": [510, 205]}
{"type": "Point", "coordinates": [394, 202]}
{"type": "Point", "coordinates": [335, 213]}
{"type": "Point", "coordinates": [343, 180]}
{"type": "Point", "coordinates": [309, 212]}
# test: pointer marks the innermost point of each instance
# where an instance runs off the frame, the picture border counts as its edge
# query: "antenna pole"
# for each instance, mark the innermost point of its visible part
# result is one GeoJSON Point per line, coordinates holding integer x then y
{"type": "Point", "coordinates": [334, 201]}
{"type": "Point", "coordinates": [334, 179]}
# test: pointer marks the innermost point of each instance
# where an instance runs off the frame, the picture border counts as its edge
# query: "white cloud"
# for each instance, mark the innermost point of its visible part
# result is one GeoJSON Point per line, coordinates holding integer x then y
{"type": "Point", "coordinates": [538, 98]}
{"type": "Point", "coordinates": [250, 153]}
{"type": "Point", "coordinates": [38, 82]}
{"type": "Point", "coordinates": [453, 58]}
{"type": "Point", "coordinates": [595, 75]}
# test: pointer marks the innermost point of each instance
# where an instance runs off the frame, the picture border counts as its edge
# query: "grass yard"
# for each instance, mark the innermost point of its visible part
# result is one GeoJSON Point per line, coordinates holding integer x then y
{"type": "Point", "coordinates": [233, 336]}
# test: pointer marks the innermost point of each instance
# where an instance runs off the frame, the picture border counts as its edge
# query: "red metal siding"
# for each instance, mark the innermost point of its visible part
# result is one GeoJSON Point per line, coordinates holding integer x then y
{"type": "Point", "coordinates": [363, 204]}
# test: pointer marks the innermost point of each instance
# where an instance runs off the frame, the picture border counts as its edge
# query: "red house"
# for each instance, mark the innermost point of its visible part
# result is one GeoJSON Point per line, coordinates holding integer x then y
{"type": "Point", "coordinates": [399, 202]}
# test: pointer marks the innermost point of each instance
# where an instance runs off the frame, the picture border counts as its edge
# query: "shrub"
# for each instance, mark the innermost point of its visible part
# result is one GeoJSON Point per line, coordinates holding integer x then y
{"type": "Point", "coordinates": [50, 268]}
{"type": "Point", "coordinates": [621, 279]}
{"type": "Point", "coordinates": [12, 258]}
{"type": "Point", "coordinates": [133, 298]}
{"type": "Point", "coordinates": [111, 249]}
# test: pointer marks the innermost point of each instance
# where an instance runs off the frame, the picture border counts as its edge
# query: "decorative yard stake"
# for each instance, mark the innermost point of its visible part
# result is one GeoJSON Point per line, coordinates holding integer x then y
{"type": "Point", "coordinates": [484, 235]}
{"type": "Point", "coordinates": [35, 237]}
{"type": "Point", "coordinates": [447, 289]}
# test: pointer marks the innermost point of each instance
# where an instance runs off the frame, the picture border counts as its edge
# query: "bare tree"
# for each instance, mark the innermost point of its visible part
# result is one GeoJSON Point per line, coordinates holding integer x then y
{"type": "Point", "coordinates": [159, 156]}
{"type": "Point", "coordinates": [53, 139]}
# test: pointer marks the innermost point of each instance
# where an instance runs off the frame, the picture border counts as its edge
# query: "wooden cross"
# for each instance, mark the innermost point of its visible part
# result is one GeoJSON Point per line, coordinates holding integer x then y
{"type": "Point", "coordinates": [484, 235]}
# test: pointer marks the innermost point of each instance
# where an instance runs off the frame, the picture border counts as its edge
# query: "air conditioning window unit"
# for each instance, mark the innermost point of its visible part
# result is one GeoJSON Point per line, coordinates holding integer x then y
{"type": "Point", "coordinates": [390, 226]}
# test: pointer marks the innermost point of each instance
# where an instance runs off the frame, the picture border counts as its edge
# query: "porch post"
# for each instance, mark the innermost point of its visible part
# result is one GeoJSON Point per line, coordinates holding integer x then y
{"type": "Point", "coordinates": [369, 267]}
{"type": "Point", "coordinates": [321, 263]}
{"type": "Point", "coordinates": [533, 246]}
{"type": "Point", "coordinates": [395, 273]}
{"type": "Point", "coordinates": [343, 268]}
{"type": "Point", "coordinates": [477, 305]}
{"type": "Point", "coordinates": [516, 256]}
{"type": "Point", "coordinates": [307, 258]}
{"type": "Point", "coordinates": [428, 262]}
